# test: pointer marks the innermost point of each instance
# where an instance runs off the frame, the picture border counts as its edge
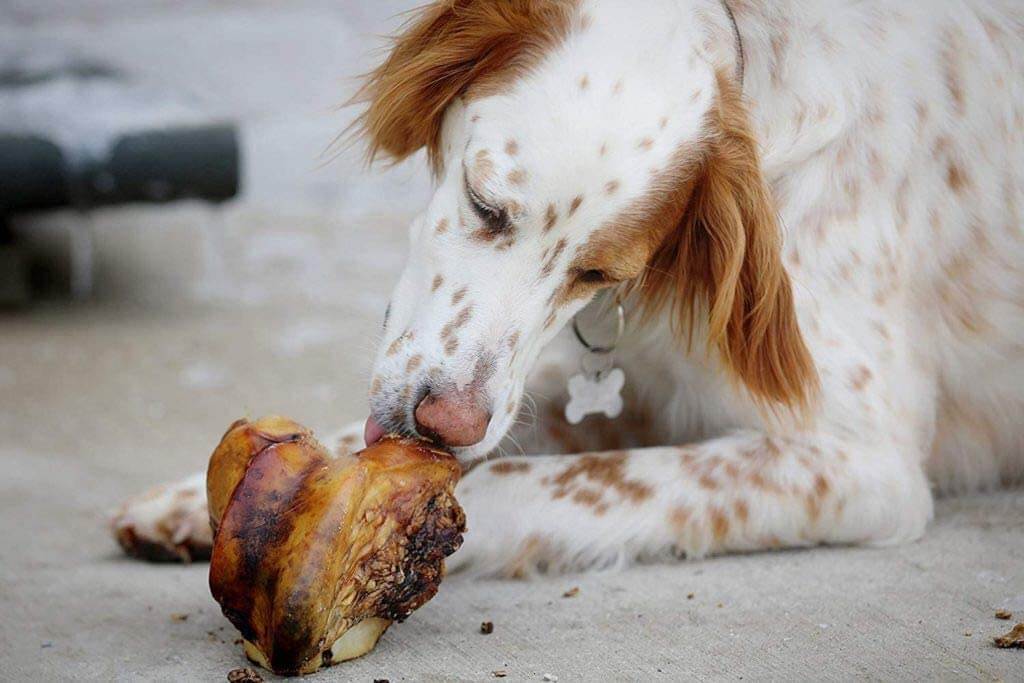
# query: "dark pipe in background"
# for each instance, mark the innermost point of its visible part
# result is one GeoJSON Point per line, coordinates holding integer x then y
{"type": "Point", "coordinates": [196, 162]}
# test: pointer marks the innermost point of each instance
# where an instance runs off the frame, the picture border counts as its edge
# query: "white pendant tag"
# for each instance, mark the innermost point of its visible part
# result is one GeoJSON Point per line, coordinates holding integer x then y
{"type": "Point", "coordinates": [599, 392]}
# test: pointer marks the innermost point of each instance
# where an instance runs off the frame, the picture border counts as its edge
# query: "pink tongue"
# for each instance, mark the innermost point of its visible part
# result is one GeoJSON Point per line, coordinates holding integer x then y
{"type": "Point", "coordinates": [372, 432]}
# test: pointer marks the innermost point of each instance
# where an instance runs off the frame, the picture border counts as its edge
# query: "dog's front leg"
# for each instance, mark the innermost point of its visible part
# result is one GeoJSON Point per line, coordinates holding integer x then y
{"type": "Point", "coordinates": [741, 492]}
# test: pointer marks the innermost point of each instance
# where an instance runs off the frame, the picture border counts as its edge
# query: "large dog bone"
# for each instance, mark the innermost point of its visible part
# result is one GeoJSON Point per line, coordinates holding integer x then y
{"type": "Point", "coordinates": [315, 556]}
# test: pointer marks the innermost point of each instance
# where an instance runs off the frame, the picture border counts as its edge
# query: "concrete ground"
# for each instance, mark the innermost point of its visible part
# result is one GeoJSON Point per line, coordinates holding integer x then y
{"type": "Point", "coordinates": [271, 304]}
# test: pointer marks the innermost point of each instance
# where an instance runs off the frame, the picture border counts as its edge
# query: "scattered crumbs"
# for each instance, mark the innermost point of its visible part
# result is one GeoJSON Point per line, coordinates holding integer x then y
{"type": "Point", "coordinates": [211, 636]}
{"type": "Point", "coordinates": [1003, 614]}
{"type": "Point", "coordinates": [572, 592]}
{"type": "Point", "coordinates": [500, 673]}
{"type": "Point", "coordinates": [487, 627]}
{"type": "Point", "coordinates": [689, 596]}
{"type": "Point", "coordinates": [551, 678]}
{"type": "Point", "coordinates": [244, 675]}
{"type": "Point", "coordinates": [179, 616]}
{"type": "Point", "coordinates": [46, 644]}
{"type": "Point", "coordinates": [1013, 638]}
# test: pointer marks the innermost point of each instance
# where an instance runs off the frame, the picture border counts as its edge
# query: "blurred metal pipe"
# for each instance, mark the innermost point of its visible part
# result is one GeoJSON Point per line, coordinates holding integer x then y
{"type": "Point", "coordinates": [150, 166]}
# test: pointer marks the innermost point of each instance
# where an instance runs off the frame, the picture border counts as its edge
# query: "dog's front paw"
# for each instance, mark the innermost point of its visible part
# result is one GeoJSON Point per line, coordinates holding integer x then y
{"type": "Point", "coordinates": [168, 523]}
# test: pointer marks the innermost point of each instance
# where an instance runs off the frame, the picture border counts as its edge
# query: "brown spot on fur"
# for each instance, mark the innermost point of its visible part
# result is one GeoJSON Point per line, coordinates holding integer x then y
{"type": "Point", "coordinates": [414, 362]}
{"type": "Point", "coordinates": [457, 322]}
{"type": "Point", "coordinates": [607, 471]}
{"type": "Point", "coordinates": [951, 69]}
{"type": "Point", "coordinates": [678, 518]}
{"type": "Point", "coordinates": [617, 87]}
{"type": "Point", "coordinates": [549, 264]}
{"type": "Point", "coordinates": [663, 122]}
{"type": "Point", "coordinates": [584, 82]}
{"type": "Point", "coordinates": [510, 467]}
{"type": "Point", "coordinates": [719, 524]}
{"type": "Point", "coordinates": [549, 320]}
{"type": "Point", "coordinates": [513, 340]}
{"type": "Point", "coordinates": [708, 483]}
{"type": "Point", "coordinates": [511, 148]}
{"type": "Point", "coordinates": [821, 486]}
{"type": "Point", "coordinates": [741, 510]}
{"type": "Point", "coordinates": [375, 385]}
{"type": "Point", "coordinates": [813, 507]}
{"type": "Point", "coordinates": [956, 178]}
{"type": "Point", "coordinates": [451, 345]}
{"type": "Point", "coordinates": [441, 227]}
{"type": "Point", "coordinates": [576, 201]}
{"type": "Point", "coordinates": [611, 186]}
{"type": "Point", "coordinates": [603, 150]}
{"type": "Point", "coordinates": [550, 217]}
{"type": "Point", "coordinates": [436, 284]}
{"type": "Point", "coordinates": [860, 377]}
{"type": "Point", "coordinates": [921, 110]}
{"type": "Point", "coordinates": [588, 497]}
{"type": "Point", "coordinates": [645, 143]}
{"type": "Point", "coordinates": [459, 295]}
{"type": "Point", "coordinates": [398, 342]}
{"type": "Point", "coordinates": [517, 176]}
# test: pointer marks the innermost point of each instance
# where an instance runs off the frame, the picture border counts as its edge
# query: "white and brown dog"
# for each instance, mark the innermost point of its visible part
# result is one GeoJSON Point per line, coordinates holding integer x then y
{"type": "Point", "coordinates": [811, 211]}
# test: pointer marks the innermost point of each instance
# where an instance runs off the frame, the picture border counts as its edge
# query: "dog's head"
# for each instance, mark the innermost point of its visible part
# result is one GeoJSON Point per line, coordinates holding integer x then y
{"type": "Point", "coordinates": [576, 147]}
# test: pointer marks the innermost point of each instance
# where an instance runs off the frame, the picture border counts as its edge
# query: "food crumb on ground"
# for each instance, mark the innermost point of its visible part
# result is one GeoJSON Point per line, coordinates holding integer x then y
{"type": "Point", "coordinates": [500, 673]}
{"type": "Point", "coordinates": [572, 592]}
{"type": "Point", "coordinates": [487, 627]}
{"type": "Point", "coordinates": [551, 678]}
{"type": "Point", "coordinates": [244, 675]}
{"type": "Point", "coordinates": [968, 634]}
{"type": "Point", "coordinates": [689, 596]}
{"type": "Point", "coordinates": [179, 616]}
{"type": "Point", "coordinates": [1013, 638]}
{"type": "Point", "coordinates": [381, 680]}
{"type": "Point", "coordinates": [1003, 614]}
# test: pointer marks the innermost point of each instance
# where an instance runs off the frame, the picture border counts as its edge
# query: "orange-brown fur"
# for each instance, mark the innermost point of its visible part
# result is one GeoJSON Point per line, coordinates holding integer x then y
{"type": "Point", "coordinates": [449, 47]}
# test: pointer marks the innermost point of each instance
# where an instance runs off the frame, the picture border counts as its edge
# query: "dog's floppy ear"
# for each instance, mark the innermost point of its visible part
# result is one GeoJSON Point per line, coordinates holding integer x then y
{"type": "Point", "coordinates": [445, 48]}
{"type": "Point", "coordinates": [724, 260]}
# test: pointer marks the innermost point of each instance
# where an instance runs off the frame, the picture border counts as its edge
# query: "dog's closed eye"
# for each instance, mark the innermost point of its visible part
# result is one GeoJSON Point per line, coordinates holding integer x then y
{"type": "Point", "coordinates": [496, 220]}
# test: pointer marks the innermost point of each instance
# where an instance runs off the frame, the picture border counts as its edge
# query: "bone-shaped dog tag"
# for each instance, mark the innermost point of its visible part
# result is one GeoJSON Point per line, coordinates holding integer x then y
{"type": "Point", "coordinates": [596, 393]}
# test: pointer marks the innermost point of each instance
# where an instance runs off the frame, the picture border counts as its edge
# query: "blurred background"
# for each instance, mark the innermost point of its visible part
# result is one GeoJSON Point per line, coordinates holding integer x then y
{"type": "Point", "coordinates": [179, 246]}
